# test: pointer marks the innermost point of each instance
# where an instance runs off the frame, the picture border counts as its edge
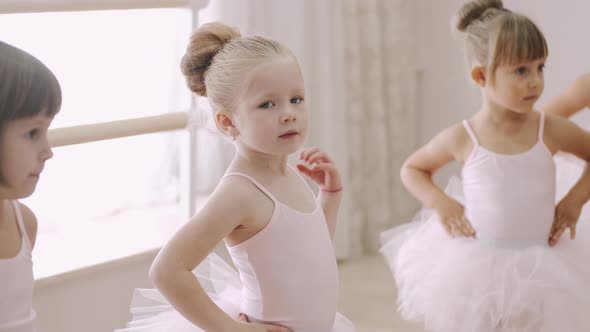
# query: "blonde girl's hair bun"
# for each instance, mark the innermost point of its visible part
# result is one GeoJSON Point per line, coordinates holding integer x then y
{"type": "Point", "coordinates": [204, 44]}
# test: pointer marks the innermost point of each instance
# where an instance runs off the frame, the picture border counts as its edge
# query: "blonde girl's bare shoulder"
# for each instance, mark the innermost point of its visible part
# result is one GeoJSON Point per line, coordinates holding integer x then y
{"type": "Point", "coordinates": [238, 195]}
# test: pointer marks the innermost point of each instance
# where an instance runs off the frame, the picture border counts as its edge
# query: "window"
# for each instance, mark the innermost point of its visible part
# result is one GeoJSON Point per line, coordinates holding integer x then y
{"type": "Point", "coordinates": [93, 198]}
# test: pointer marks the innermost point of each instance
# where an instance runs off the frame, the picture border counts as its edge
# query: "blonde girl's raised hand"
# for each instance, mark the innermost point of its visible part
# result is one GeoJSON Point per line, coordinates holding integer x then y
{"type": "Point", "coordinates": [321, 169]}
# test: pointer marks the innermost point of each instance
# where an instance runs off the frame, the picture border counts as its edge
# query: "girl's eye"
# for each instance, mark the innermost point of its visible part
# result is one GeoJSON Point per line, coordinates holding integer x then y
{"type": "Point", "coordinates": [267, 104]}
{"type": "Point", "coordinates": [296, 100]}
{"type": "Point", "coordinates": [521, 70]}
{"type": "Point", "coordinates": [32, 134]}
{"type": "Point", "coordinates": [541, 68]}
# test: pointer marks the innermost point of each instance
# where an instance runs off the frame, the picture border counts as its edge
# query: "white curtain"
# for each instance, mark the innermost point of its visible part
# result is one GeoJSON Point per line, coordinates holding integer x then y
{"type": "Point", "coordinates": [382, 113]}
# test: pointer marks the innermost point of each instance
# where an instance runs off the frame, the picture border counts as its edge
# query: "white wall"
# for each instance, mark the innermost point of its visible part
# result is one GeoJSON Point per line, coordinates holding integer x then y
{"type": "Point", "coordinates": [448, 96]}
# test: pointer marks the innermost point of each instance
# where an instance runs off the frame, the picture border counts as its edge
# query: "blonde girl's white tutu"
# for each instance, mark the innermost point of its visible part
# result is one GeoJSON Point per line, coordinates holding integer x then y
{"type": "Point", "coordinates": [151, 312]}
{"type": "Point", "coordinates": [466, 285]}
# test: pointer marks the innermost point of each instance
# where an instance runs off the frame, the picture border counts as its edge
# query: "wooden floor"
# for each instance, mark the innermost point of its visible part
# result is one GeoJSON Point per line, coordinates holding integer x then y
{"type": "Point", "coordinates": [367, 296]}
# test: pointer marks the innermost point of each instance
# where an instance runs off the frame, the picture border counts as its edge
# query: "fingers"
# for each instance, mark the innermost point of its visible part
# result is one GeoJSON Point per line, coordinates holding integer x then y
{"type": "Point", "coordinates": [322, 167]}
{"type": "Point", "coordinates": [460, 227]}
{"type": "Point", "coordinates": [553, 229]}
{"type": "Point", "coordinates": [303, 169]}
{"type": "Point", "coordinates": [557, 218]}
{"type": "Point", "coordinates": [557, 234]}
{"type": "Point", "coordinates": [573, 231]}
{"type": "Point", "coordinates": [326, 167]}
{"type": "Point", "coordinates": [314, 155]}
{"type": "Point", "coordinates": [466, 227]}
{"type": "Point", "coordinates": [449, 229]}
{"type": "Point", "coordinates": [276, 328]}
{"type": "Point", "coordinates": [268, 327]}
{"type": "Point", "coordinates": [559, 226]}
{"type": "Point", "coordinates": [307, 152]}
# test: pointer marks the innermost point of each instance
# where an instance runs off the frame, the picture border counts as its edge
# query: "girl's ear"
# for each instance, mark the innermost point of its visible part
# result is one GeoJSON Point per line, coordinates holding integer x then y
{"type": "Point", "coordinates": [478, 75]}
{"type": "Point", "coordinates": [225, 123]}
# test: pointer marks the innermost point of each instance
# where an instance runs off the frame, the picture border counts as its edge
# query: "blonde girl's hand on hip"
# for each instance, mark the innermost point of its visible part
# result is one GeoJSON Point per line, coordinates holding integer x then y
{"type": "Point", "coordinates": [321, 169]}
{"type": "Point", "coordinates": [452, 217]}
{"type": "Point", "coordinates": [246, 326]}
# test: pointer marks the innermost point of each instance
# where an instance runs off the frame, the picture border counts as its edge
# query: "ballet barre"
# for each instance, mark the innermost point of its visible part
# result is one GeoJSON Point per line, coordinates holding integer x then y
{"type": "Point", "coordinates": [117, 129]}
{"type": "Point", "coordinates": [31, 6]}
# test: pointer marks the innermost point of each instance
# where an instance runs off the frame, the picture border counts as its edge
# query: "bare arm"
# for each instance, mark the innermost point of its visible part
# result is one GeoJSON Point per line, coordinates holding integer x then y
{"type": "Point", "coordinates": [566, 136]}
{"type": "Point", "coordinates": [581, 190]}
{"type": "Point", "coordinates": [416, 174]}
{"type": "Point", "coordinates": [330, 203]}
{"type": "Point", "coordinates": [171, 272]}
{"type": "Point", "coordinates": [325, 174]}
{"type": "Point", "coordinates": [575, 98]}
{"type": "Point", "coordinates": [418, 169]}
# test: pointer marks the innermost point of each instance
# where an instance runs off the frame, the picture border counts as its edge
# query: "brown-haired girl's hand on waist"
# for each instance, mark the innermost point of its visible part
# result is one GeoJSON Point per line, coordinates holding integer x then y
{"type": "Point", "coordinates": [567, 213]}
{"type": "Point", "coordinates": [452, 217]}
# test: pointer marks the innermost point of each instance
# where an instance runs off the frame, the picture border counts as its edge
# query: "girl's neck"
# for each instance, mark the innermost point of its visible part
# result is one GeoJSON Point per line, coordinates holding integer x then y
{"type": "Point", "coordinates": [4, 211]}
{"type": "Point", "coordinates": [277, 165]}
{"type": "Point", "coordinates": [499, 116]}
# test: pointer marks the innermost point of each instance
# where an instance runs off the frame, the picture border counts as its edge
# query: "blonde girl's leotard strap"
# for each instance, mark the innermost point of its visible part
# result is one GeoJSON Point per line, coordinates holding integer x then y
{"type": "Point", "coordinates": [256, 183]}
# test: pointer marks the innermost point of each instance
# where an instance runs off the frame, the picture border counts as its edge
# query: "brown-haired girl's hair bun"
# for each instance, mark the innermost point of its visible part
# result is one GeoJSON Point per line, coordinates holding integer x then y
{"type": "Point", "coordinates": [473, 10]}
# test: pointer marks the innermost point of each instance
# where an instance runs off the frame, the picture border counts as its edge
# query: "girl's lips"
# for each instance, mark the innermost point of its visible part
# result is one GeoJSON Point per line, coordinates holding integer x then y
{"type": "Point", "coordinates": [289, 134]}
